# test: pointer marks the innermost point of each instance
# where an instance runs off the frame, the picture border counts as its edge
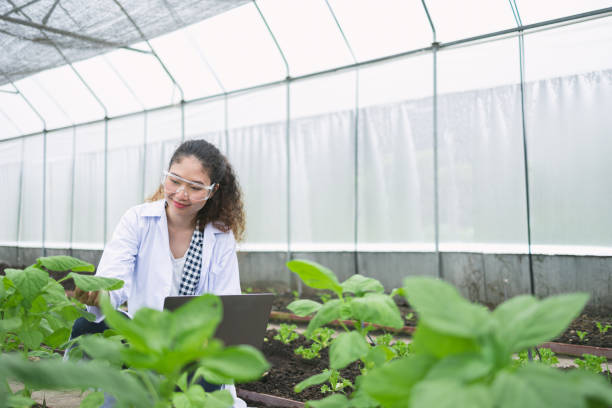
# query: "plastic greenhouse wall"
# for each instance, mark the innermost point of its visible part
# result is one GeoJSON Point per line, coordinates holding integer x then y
{"type": "Point", "coordinates": [353, 188]}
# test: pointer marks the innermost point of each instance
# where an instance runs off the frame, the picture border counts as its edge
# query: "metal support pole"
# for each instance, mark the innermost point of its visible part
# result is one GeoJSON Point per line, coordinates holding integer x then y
{"type": "Point", "coordinates": [434, 48]}
{"type": "Point", "coordinates": [356, 145]}
{"type": "Point", "coordinates": [521, 42]}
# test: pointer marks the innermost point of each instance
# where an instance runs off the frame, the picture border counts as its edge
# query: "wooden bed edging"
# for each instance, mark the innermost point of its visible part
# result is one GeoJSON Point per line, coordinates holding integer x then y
{"type": "Point", "coordinates": [270, 400]}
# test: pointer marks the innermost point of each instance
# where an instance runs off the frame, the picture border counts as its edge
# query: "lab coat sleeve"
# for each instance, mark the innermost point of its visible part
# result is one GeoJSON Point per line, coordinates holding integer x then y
{"type": "Point", "coordinates": [224, 268]}
{"type": "Point", "coordinates": [119, 258]}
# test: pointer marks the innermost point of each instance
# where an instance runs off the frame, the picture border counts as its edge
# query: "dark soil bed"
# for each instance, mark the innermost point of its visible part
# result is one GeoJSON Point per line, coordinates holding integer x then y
{"type": "Point", "coordinates": [288, 369]}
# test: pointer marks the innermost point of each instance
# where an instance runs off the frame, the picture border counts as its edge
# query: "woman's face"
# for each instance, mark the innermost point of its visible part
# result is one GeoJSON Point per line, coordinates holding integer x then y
{"type": "Point", "coordinates": [186, 199]}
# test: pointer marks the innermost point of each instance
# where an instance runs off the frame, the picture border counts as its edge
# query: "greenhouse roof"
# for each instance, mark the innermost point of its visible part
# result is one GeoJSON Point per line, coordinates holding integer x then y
{"type": "Point", "coordinates": [36, 35]}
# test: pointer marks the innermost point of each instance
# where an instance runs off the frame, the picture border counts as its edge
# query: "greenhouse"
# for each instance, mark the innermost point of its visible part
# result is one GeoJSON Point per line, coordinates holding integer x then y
{"type": "Point", "coordinates": [467, 141]}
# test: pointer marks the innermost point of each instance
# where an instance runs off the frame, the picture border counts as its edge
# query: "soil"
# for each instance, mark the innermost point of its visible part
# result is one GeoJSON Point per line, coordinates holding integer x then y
{"type": "Point", "coordinates": [288, 369]}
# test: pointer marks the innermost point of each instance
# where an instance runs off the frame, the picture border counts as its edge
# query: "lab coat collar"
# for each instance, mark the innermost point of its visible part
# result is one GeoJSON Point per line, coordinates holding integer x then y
{"type": "Point", "coordinates": [157, 209]}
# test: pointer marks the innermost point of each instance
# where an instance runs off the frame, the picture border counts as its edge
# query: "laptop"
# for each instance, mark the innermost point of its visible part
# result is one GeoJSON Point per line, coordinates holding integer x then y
{"type": "Point", "coordinates": [245, 317]}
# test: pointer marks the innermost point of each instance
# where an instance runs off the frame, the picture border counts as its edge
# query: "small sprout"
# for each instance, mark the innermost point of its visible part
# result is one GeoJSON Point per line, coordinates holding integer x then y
{"type": "Point", "coordinates": [325, 298]}
{"type": "Point", "coordinates": [591, 363]}
{"type": "Point", "coordinates": [321, 338]}
{"type": "Point", "coordinates": [581, 335]}
{"type": "Point", "coordinates": [602, 329]}
{"type": "Point", "coordinates": [286, 333]}
{"type": "Point", "coordinates": [296, 294]}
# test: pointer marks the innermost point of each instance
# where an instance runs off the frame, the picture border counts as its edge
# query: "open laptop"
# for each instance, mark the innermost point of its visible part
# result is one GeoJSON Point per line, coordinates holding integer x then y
{"type": "Point", "coordinates": [245, 317]}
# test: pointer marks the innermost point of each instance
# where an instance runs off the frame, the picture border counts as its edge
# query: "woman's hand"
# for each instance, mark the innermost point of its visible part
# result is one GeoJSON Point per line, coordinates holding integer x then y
{"type": "Point", "coordinates": [88, 298]}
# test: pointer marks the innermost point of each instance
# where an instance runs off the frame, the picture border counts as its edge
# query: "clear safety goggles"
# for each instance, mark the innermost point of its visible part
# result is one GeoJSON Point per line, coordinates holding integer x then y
{"type": "Point", "coordinates": [174, 184]}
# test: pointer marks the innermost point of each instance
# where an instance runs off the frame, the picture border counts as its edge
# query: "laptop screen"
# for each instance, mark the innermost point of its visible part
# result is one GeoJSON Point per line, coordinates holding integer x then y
{"type": "Point", "coordinates": [245, 317]}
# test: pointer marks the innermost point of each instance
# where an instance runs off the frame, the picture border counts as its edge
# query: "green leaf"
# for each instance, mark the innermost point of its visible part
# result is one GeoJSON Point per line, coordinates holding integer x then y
{"type": "Point", "coordinates": [312, 380]}
{"type": "Point", "coordinates": [54, 293]}
{"type": "Point", "coordinates": [20, 401]}
{"type": "Point", "coordinates": [91, 283]}
{"type": "Point", "coordinates": [211, 376]}
{"type": "Point", "coordinates": [10, 324]}
{"type": "Point", "coordinates": [333, 401]}
{"type": "Point", "coordinates": [30, 336]}
{"type": "Point", "coordinates": [122, 325]}
{"type": "Point", "coordinates": [195, 321]}
{"type": "Point", "coordinates": [316, 276]}
{"type": "Point", "coordinates": [218, 399]}
{"type": "Point", "coordinates": [68, 375]}
{"type": "Point", "coordinates": [392, 383]}
{"type": "Point", "coordinates": [460, 367]}
{"type": "Point", "coordinates": [534, 322]}
{"type": "Point", "coordinates": [448, 393]}
{"type": "Point", "coordinates": [57, 338]}
{"type": "Point", "coordinates": [426, 340]}
{"type": "Point", "coordinates": [304, 307]}
{"type": "Point", "coordinates": [377, 308]}
{"type": "Point", "coordinates": [104, 349]}
{"type": "Point", "coordinates": [328, 312]}
{"type": "Point", "coordinates": [533, 386]}
{"type": "Point", "coordinates": [359, 284]}
{"type": "Point", "coordinates": [242, 363]}
{"type": "Point", "coordinates": [28, 282]}
{"type": "Point", "coordinates": [442, 308]}
{"type": "Point", "coordinates": [93, 400]}
{"type": "Point", "coordinates": [346, 348]}
{"type": "Point", "coordinates": [61, 263]}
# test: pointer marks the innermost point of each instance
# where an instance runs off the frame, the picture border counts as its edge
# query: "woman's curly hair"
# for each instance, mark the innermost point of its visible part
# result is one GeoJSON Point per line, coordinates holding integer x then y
{"type": "Point", "coordinates": [225, 208]}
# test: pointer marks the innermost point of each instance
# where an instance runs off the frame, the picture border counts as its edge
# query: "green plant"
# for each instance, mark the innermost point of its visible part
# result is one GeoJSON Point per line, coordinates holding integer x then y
{"type": "Point", "coordinates": [602, 329]}
{"type": "Point", "coordinates": [462, 356]}
{"type": "Point", "coordinates": [581, 335]}
{"type": "Point", "coordinates": [359, 299]}
{"type": "Point", "coordinates": [295, 294]}
{"type": "Point", "coordinates": [545, 356]}
{"type": "Point", "coordinates": [286, 333]}
{"type": "Point", "coordinates": [591, 363]}
{"type": "Point", "coordinates": [400, 348]}
{"type": "Point", "coordinates": [36, 316]}
{"type": "Point", "coordinates": [160, 347]}
{"type": "Point", "coordinates": [321, 339]}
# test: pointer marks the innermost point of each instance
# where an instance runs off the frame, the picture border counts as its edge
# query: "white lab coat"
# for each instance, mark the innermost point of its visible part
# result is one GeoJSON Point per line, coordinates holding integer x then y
{"type": "Point", "coordinates": [139, 254]}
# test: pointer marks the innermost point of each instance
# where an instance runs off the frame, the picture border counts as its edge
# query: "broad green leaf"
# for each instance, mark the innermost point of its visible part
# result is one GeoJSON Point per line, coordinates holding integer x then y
{"type": "Point", "coordinates": [426, 340]}
{"type": "Point", "coordinates": [180, 400]}
{"type": "Point", "coordinates": [69, 375]}
{"type": "Point", "coordinates": [57, 338]}
{"type": "Point", "coordinates": [196, 321]}
{"type": "Point", "coordinates": [304, 307]}
{"type": "Point", "coordinates": [54, 293]}
{"type": "Point", "coordinates": [30, 336]}
{"type": "Point", "coordinates": [93, 400]}
{"type": "Point", "coordinates": [316, 276]}
{"type": "Point", "coordinates": [377, 308]}
{"type": "Point", "coordinates": [392, 383]}
{"type": "Point", "coordinates": [593, 387]}
{"type": "Point", "coordinates": [218, 399]}
{"type": "Point", "coordinates": [39, 305]}
{"type": "Point", "coordinates": [328, 312]}
{"type": "Point", "coordinates": [533, 321]}
{"type": "Point", "coordinates": [10, 324]}
{"type": "Point", "coordinates": [242, 363]}
{"type": "Point", "coordinates": [442, 308]}
{"type": "Point", "coordinates": [90, 283]}
{"type": "Point", "coordinates": [211, 376]}
{"type": "Point", "coordinates": [122, 325]}
{"type": "Point", "coordinates": [448, 393]}
{"type": "Point", "coordinates": [333, 401]}
{"type": "Point", "coordinates": [378, 356]}
{"type": "Point", "coordinates": [61, 263]}
{"type": "Point", "coordinates": [346, 348]}
{"type": "Point", "coordinates": [103, 349]}
{"type": "Point", "coordinates": [312, 380]}
{"type": "Point", "coordinates": [536, 386]}
{"type": "Point", "coordinates": [359, 284]}
{"type": "Point", "coordinates": [28, 282]}
{"type": "Point", "coordinates": [20, 401]}
{"type": "Point", "coordinates": [460, 367]}
{"type": "Point", "coordinates": [196, 395]}
{"type": "Point", "coordinates": [155, 327]}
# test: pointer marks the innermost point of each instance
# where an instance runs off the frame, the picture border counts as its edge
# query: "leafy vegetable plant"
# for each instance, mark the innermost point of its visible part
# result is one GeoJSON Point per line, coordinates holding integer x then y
{"type": "Point", "coordinates": [286, 333]}
{"type": "Point", "coordinates": [36, 316]}
{"type": "Point", "coordinates": [321, 339]}
{"type": "Point", "coordinates": [602, 329]}
{"type": "Point", "coordinates": [160, 347]}
{"type": "Point", "coordinates": [590, 362]}
{"type": "Point", "coordinates": [581, 335]}
{"type": "Point", "coordinates": [545, 356]}
{"type": "Point", "coordinates": [360, 299]}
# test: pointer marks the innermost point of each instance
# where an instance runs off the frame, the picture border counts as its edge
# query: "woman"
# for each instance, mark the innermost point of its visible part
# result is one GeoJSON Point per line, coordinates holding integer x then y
{"type": "Point", "coordinates": [181, 242]}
